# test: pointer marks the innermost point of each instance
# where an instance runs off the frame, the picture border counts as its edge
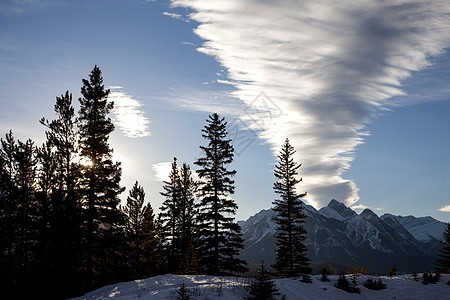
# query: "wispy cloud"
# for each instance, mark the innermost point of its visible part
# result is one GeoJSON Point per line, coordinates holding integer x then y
{"type": "Point", "coordinates": [161, 171]}
{"type": "Point", "coordinates": [175, 16]}
{"type": "Point", "coordinates": [128, 115]}
{"type": "Point", "coordinates": [362, 206]}
{"type": "Point", "coordinates": [25, 6]}
{"type": "Point", "coordinates": [206, 100]}
{"type": "Point", "coordinates": [445, 208]}
{"type": "Point", "coordinates": [115, 87]}
{"type": "Point", "coordinates": [328, 65]}
{"type": "Point", "coordinates": [188, 43]}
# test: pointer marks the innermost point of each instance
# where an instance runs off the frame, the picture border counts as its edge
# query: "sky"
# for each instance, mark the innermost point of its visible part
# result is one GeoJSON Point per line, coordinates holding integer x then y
{"type": "Point", "coordinates": [360, 88]}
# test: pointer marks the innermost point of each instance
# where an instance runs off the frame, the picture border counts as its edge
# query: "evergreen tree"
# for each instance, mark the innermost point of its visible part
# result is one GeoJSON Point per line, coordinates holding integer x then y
{"type": "Point", "coordinates": [134, 218]}
{"type": "Point", "coordinates": [151, 244]}
{"type": "Point", "coordinates": [393, 271]}
{"type": "Point", "coordinates": [178, 217]}
{"type": "Point", "coordinates": [8, 209]}
{"type": "Point", "coordinates": [220, 235]}
{"type": "Point", "coordinates": [443, 261]}
{"type": "Point", "coordinates": [44, 190]}
{"type": "Point", "coordinates": [428, 277]}
{"type": "Point", "coordinates": [263, 288]}
{"type": "Point", "coordinates": [62, 196]}
{"type": "Point", "coordinates": [415, 276]}
{"type": "Point", "coordinates": [188, 263]}
{"type": "Point", "coordinates": [291, 251]}
{"type": "Point", "coordinates": [183, 292]}
{"type": "Point", "coordinates": [26, 216]}
{"type": "Point", "coordinates": [187, 221]}
{"type": "Point", "coordinates": [140, 230]}
{"type": "Point", "coordinates": [372, 284]}
{"type": "Point", "coordinates": [169, 217]}
{"type": "Point", "coordinates": [324, 272]}
{"type": "Point", "coordinates": [100, 181]}
{"type": "Point", "coordinates": [343, 284]}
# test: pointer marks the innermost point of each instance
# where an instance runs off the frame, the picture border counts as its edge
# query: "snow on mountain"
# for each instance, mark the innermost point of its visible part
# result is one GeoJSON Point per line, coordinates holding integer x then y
{"type": "Point", "coordinates": [259, 226]}
{"type": "Point", "coordinates": [337, 210]}
{"type": "Point", "coordinates": [423, 228]}
{"type": "Point", "coordinates": [209, 287]}
{"type": "Point", "coordinates": [338, 234]}
{"type": "Point", "coordinates": [362, 232]}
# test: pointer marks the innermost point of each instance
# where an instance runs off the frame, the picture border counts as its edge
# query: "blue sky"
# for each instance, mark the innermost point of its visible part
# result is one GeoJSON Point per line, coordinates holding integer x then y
{"type": "Point", "coordinates": [361, 88]}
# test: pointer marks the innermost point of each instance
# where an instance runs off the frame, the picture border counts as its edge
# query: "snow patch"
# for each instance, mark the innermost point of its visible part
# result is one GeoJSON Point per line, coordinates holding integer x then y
{"type": "Point", "coordinates": [209, 287]}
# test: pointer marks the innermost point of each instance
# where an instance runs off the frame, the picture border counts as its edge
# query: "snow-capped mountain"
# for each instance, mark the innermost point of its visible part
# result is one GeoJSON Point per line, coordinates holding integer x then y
{"type": "Point", "coordinates": [337, 210]}
{"type": "Point", "coordinates": [338, 234]}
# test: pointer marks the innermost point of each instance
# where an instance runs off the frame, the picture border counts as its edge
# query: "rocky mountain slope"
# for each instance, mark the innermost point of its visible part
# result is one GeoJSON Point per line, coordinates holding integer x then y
{"type": "Point", "coordinates": [338, 235]}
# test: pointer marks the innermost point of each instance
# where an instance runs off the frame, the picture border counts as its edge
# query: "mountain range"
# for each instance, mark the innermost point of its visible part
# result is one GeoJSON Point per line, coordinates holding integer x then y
{"type": "Point", "coordinates": [339, 237]}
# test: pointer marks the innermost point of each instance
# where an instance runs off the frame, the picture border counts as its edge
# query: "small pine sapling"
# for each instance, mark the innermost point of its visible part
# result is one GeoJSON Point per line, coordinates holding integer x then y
{"type": "Point", "coordinates": [345, 285]}
{"type": "Point", "coordinates": [306, 278]}
{"type": "Point", "coordinates": [342, 283]}
{"type": "Point", "coordinates": [415, 277]}
{"type": "Point", "coordinates": [393, 271]}
{"type": "Point", "coordinates": [374, 284]}
{"type": "Point", "coordinates": [263, 288]}
{"type": "Point", "coordinates": [427, 277]}
{"type": "Point", "coordinates": [380, 285]}
{"type": "Point", "coordinates": [354, 281]}
{"type": "Point", "coordinates": [183, 292]}
{"type": "Point", "coordinates": [324, 271]}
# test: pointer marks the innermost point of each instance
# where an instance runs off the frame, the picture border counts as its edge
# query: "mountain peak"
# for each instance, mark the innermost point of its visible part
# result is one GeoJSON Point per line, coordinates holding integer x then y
{"type": "Point", "coordinates": [424, 229]}
{"type": "Point", "coordinates": [336, 233]}
{"type": "Point", "coordinates": [333, 202]}
{"type": "Point", "coordinates": [337, 210]}
{"type": "Point", "coordinates": [369, 215]}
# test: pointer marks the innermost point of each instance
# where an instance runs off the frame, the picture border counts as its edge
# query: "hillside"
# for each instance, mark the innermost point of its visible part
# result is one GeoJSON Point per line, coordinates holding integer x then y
{"type": "Point", "coordinates": [208, 287]}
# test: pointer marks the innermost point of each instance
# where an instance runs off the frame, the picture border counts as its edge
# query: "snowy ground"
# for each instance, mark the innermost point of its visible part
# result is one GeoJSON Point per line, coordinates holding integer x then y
{"type": "Point", "coordinates": [208, 287]}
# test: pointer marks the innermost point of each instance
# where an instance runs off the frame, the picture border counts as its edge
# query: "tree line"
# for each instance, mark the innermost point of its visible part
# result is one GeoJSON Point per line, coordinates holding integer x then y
{"type": "Point", "coordinates": [63, 231]}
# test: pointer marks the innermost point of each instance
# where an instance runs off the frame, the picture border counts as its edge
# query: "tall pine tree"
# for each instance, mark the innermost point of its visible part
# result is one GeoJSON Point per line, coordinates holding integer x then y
{"type": "Point", "coordinates": [141, 234]}
{"type": "Point", "coordinates": [187, 221]}
{"type": "Point", "coordinates": [219, 233]}
{"type": "Point", "coordinates": [8, 208]}
{"type": "Point", "coordinates": [443, 261]}
{"type": "Point", "coordinates": [64, 201]}
{"type": "Point", "coordinates": [100, 181]}
{"type": "Point", "coordinates": [169, 217]}
{"type": "Point", "coordinates": [178, 217]}
{"type": "Point", "coordinates": [291, 251]}
{"type": "Point", "coordinates": [27, 218]}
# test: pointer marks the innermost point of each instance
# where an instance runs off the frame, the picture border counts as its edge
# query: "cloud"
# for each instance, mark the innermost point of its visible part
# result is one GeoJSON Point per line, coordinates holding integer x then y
{"type": "Point", "coordinates": [362, 206]}
{"type": "Point", "coordinates": [206, 100]}
{"type": "Point", "coordinates": [445, 208]}
{"type": "Point", "coordinates": [128, 115]}
{"type": "Point", "coordinates": [161, 171]}
{"type": "Point", "coordinates": [188, 43]}
{"type": "Point", "coordinates": [25, 6]}
{"type": "Point", "coordinates": [329, 66]}
{"type": "Point", "coordinates": [175, 16]}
